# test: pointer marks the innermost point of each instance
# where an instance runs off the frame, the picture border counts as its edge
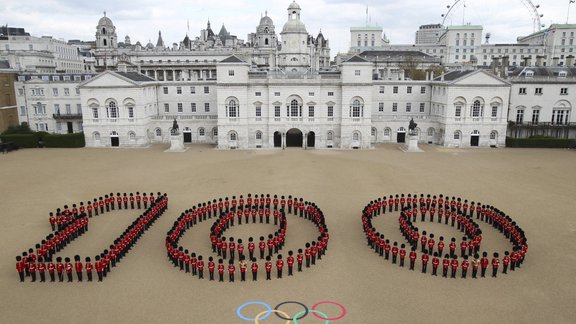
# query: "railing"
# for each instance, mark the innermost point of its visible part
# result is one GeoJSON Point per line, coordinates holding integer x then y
{"type": "Point", "coordinates": [67, 116]}
{"type": "Point", "coordinates": [541, 124]}
{"type": "Point", "coordinates": [182, 117]}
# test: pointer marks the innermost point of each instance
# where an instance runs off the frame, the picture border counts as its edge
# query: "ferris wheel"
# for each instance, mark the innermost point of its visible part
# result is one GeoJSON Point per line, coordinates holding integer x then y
{"type": "Point", "coordinates": [531, 7]}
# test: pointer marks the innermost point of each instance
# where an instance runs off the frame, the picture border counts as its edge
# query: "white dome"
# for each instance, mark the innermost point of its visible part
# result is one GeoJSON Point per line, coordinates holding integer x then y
{"type": "Point", "coordinates": [294, 5]}
{"type": "Point", "coordinates": [294, 26]}
{"type": "Point", "coordinates": [105, 21]}
{"type": "Point", "coordinates": [266, 21]}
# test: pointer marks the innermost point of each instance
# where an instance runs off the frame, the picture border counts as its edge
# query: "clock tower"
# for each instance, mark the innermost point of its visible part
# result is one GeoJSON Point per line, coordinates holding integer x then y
{"type": "Point", "coordinates": [295, 53]}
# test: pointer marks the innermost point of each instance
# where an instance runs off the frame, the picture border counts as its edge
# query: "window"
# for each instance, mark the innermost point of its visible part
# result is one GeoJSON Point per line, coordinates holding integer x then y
{"type": "Point", "coordinates": [310, 94]}
{"type": "Point", "coordinates": [55, 92]}
{"type": "Point", "coordinates": [206, 89]}
{"type": "Point", "coordinates": [130, 112]}
{"type": "Point", "coordinates": [40, 109]}
{"type": "Point", "coordinates": [535, 116]}
{"type": "Point", "coordinates": [178, 90]}
{"type": "Point", "coordinates": [95, 113]}
{"type": "Point", "coordinates": [560, 116]}
{"type": "Point", "coordinates": [165, 89]}
{"type": "Point", "coordinates": [394, 107]}
{"type": "Point", "coordinates": [357, 72]}
{"type": "Point", "coordinates": [232, 112]}
{"type": "Point", "coordinates": [57, 109]}
{"type": "Point", "coordinates": [381, 107]}
{"type": "Point", "coordinates": [230, 72]}
{"type": "Point", "coordinates": [132, 136]}
{"type": "Point", "coordinates": [276, 94]}
{"type": "Point", "coordinates": [522, 91]}
{"type": "Point", "coordinates": [563, 91]}
{"type": "Point", "coordinates": [310, 111]}
{"type": "Point", "coordinates": [158, 132]}
{"type": "Point", "coordinates": [387, 131]}
{"type": "Point", "coordinates": [381, 89]}
{"type": "Point", "coordinates": [276, 111]}
{"type": "Point", "coordinates": [355, 136]}
{"type": "Point", "coordinates": [166, 107]}
{"type": "Point", "coordinates": [395, 89]}
{"type": "Point", "coordinates": [422, 107]}
{"type": "Point", "coordinates": [112, 110]}
{"type": "Point", "coordinates": [519, 116]}
{"type": "Point", "coordinates": [494, 112]}
{"type": "Point", "coordinates": [476, 109]}
{"type": "Point", "coordinates": [42, 127]}
{"type": "Point", "coordinates": [215, 131]}
{"type": "Point", "coordinates": [538, 91]}
{"type": "Point", "coordinates": [258, 111]}
{"type": "Point", "coordinates": [357, 108]}
{"type": "Point", "coordinates": [330, 94]}
{"type": "Point", "coordinates": [409, 90]}
{"type": "Point", "coordinates": [422, 90]}
{"type": "Point", "coordinates": [192, 90]}
{"type": "Point", "coordinates": [207, 107]}
{"type": "Point", "coordinates": [78, 91]}
{"type": "Point", "coordinates": [22, 110]}
{"type": "Point", "coordinates": [294, 108]}
{"type": "Point", "coordinates": [330, 111]}
{"type": "Point", "coordinates": [193, 107]}
{"type": "Point", "coordinates": [458, 111]}
{"type": "Point", "coordinates": [180, 107]}
{"type": "Point", "coordinates": [457, 135]}
{"type": "Point", "coordinates": [258, 135]}
{"type": "Point", "coordinates": [233, 136]}
{"type": "Point", "coordinates": [330, 136]}
{"type": "Point", "coordinates": [408, 107]}
{"type": "Point", "coordinates": [258, 94]}
{"type": "Point", "coordinates": [201, 132]}
{"type": "Point", "coordinates": [68, 109]}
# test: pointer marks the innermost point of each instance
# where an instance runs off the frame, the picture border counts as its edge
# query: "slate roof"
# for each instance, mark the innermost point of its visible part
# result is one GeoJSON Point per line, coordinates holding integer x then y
{"type": "Point", "coordinates": [543, 71]}
{"type": "Point", "coordinates": [356, 59]}
{"type": "Point", "coordinates": [135, 76]}
{"type": "Point", "coordinates": [454, 75]}
{"type": "Point", "coordinates": [232, 59]}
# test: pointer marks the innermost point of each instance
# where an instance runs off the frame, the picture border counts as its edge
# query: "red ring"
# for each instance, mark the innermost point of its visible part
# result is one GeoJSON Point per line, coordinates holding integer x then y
{"type": "Point", "coordinates": [333, 318]}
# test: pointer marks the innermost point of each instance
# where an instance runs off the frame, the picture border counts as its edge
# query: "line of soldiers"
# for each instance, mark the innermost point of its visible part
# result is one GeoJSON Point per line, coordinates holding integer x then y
{"type": "Point", "coordinates": [259, 209]}
{"type": "Point", "coordinates": [461, 216]}
{"type": "Point", "coordinates": [41, 261]}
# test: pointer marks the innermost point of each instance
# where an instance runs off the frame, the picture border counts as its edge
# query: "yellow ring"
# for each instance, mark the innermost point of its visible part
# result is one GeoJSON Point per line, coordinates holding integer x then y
{"type": "Point", "coordinates": [272, 311]}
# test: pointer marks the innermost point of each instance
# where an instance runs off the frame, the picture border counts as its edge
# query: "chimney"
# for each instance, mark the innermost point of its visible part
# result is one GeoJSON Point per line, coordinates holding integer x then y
{"type": "Point", "coordinates": [442, 77]}
{"type": "Point", "coordinates": [496, 62]}
{"type": "Point", "coordinates": [570, 60]}
{"type": "Point", "coordinates": [555, 61]}
{"type": "Point", "coordinates": [505, 64]}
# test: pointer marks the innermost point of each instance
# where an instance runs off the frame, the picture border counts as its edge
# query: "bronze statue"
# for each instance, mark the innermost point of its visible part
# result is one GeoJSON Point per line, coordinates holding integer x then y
{"type": "Point", "coordinates": [175, 127]}
{"type": "Point", "coordinates": [412, 126]}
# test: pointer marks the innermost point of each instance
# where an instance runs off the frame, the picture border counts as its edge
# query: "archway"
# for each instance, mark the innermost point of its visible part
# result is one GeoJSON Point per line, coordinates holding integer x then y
{"type": "Point", "coordinates": [401, 135]}
{"type": "Point", "coordinates": [294, 138]}
{"type": "Point", "coordinates": [311, 139]}
{"type": "Point", "coordinates": [475, 138]}
{"type": "Point", "coordinates": [277, 139]}
{"type": "Point", "coordinates": [114, 139]}
{"type": "Point", "coordinates": [187, 132]}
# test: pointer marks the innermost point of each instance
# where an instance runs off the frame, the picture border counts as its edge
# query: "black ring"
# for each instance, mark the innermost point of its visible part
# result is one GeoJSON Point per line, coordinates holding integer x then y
{"type": "Point", "coordinates": [292, 302]}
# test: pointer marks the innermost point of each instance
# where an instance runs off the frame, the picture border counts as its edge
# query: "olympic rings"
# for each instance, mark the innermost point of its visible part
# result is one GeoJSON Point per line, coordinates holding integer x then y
{"type": "Point", "coordinates": [306, 310]}
{"type": "Point", "coordinates": [283, 315]}
{"type": "Point", "coordinates": [239, 310]}
{"type": "Point", "coordinates": [273, 311]}
{"type": "Point", "coordinates": [326, 320]}
{"type": "Point", "coordinates": [332, 303]}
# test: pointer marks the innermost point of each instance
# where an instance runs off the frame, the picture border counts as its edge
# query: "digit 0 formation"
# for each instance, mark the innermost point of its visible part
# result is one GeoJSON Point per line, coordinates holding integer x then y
{"type": "Point", "coordinates": [227, 213]}
{"type": "Point", "coordinates": [68, 224]}
{"type": "Point", "coordinates": [449, 211]}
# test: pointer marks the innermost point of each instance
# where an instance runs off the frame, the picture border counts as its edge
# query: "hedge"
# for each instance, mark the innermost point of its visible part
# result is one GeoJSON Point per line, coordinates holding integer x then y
{"type": "Point", "coordinates": [21, 140]}
{"type": "Point", "coordinates": [540, 142]}
{"type": "Point", "coordinates": [66, 140]}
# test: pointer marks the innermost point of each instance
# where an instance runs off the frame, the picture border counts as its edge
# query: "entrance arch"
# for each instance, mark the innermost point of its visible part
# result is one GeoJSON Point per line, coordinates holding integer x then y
{"type": "Point", "coordinates": [401, 135]}
{"type": "Point", "coordinates": [187, 135]}
{"type": "Point", "coordinates": [294, 138]}
{"type": "Point", "coordinates": [277, 139]}
{"type": "Point", "coordinates": [311, 139]}
{"type": "Point", "coordinates": [114, 139]}
{"type": "Point", "coordinates": [475, 138]}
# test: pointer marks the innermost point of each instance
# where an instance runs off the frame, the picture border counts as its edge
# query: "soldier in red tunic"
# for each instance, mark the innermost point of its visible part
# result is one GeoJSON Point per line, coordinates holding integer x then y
{"type": "Point", "coordinates": [484, 264]}
{"type": "Point", "coordinates": [505, 262]}
{"type": "Point", "coordinates": [394, 252]}
{"type": "Point", "coordinates": [32, 268]}
{"type": "Point", "coordinates": [445, 265]}
{"type": "Point", "coordinates": [211, 267]}
{"type": "Point", "coordinates": [254, 267]}
{"type": "Point", "coordinates": [262, 247]}
{"type": "Point", "coordinates": [387, 248]}
{"type": "Point", "coordinates": [441, 245]}
{"type": "Point", "coordinates": [89, 267]}
{"type": "Point", "coordinates": [60, 269]}
{"type": "Point", "coordinates": [463, 246]}
{"type": "Point", "coordinates": [425, 259]}
{"type": "Point", "coordinates": [220, 270]}
{"type": "Point", "coordinates": [454, 264]}
{"type": "Point", "coordinates": [20, 268]}
{"type": "Point", "coordinates": [475, 265]}
{"type": "Point", "coordinates": [308, 255]}
{"type": "Point", "coordinates": [268, 267]}
{"type": "Point", "coordinates": [402, 254]}
{"type": "Point", "coordinates": [68, 267]}
{"type": "Point", "coordinates": [495, 265]}
{"type": "Point", "coordinates": [243, 265]}
{"type": "Point", "coordinates": [290, 262]}
{"type": "Point", "coordinates": [435, 264]}
{"type": "Point", "coordinates": [231, 270]}
{"type": "Point", "coordinates": [200, 267]}
{"type": "Point", "coordinates": [412, 257]}
{"type": "Point", "coordinates": [79, 267]}
{"type": "Point", "coordinates": [279, 266]}
{"type": "Point", "coordinates": [465, 264]}
{"type": "Point", "coordinates": [452, 247]}
{"type": "Point", "coordinates": [300, 259]}
{"type": "Point", "coordinates": [99, 267]}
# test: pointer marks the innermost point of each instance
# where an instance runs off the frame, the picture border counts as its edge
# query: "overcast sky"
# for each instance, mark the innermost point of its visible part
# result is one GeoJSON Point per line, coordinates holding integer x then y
{"type": "Point", "coordinates": [142, 19]}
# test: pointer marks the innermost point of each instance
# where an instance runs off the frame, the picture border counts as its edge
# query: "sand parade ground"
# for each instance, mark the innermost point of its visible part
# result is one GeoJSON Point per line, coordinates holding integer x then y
{"type": "Point", "coordinates": [536, 187]}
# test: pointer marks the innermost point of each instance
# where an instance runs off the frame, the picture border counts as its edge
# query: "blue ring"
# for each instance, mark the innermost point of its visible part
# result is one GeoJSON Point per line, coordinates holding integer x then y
{"type": "Point", "coordinates": [239, 309]}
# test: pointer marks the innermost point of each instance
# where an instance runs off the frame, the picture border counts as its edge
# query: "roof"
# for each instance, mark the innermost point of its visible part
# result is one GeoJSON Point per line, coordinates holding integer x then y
{"type": "Point", "coordinates": [4, 64]}
{"type": "Point", "coordinates": [465, 27]}
{"type": "Point", "coordinates": [294, 26]}
{"type": "Point", "coordinates": [454, 75]}
{"type": "Point", "coordinates": [543, 71]}
{"type": "Point", "coordinates": [382, 54]}
{"type": "Point", "coordinates": [356, 59]}
{"type": "Point", "coordinates": [135, 76]}
{"type": "Point", "coordinates": [232, 59]}
{"type": "Point", "coordinates": [294, 5]}
{"type": "Point", "coordinates": [368, 28]}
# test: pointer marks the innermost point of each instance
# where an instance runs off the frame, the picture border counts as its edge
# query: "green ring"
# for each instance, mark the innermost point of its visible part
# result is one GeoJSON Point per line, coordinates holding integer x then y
{"type": "Point", "coordinates": [295, 318]}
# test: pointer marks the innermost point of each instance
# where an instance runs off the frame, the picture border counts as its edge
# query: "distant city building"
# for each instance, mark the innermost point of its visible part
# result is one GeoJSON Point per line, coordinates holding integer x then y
{"type": "Point", "coordinates": [428, 34]}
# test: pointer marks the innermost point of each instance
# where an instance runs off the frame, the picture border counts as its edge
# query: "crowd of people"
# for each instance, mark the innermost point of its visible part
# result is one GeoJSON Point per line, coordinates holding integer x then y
{"type": "Point", "coordinates": [452, 211]}
{"type": "Point", "coordinates": [70, 223]}
{"type": "Point", "coordinates": [231, 254]}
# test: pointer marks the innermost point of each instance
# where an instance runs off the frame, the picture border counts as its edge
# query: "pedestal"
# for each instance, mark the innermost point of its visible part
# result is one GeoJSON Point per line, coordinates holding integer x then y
{"type": "Point", "coordinates": [411, 145]}
{"type": "Point", "coordinates": [176, 143]}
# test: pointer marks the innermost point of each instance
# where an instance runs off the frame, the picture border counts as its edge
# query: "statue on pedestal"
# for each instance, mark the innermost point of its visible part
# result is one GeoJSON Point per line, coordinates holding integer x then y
{"type": "Point", "coordinates": [412, 126]}
{"type": "Point", "coordinates": [174, 130]}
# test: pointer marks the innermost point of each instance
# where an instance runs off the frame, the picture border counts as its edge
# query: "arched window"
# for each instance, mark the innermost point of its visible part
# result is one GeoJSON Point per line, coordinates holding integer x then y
{"type": "Point", "coordinates": [113, 133]}
{"type": "Point", "coordinates": [266, 41]}
{"type": "Point", "coordinates": [232, 108]}
{"type": "Point", "coordinates": [387, 131]}
{"type": "Point", "coordinates": [430, 131]}
{"type": "Point", "coordinates": [105, 42]}
{"type": "Point", "coordinates": [103, 31]}
{"type": "Point", "coordinates": [215, 131]}
{"type": "Point", "coordinates": [357, 109]}
{"type": "Point", "coordinates": [132, 136]}
{"type": "Point", "coordinates": [201, 132]}
{"type": "Point", "coordinates": [258, 135]}
{"type": "Point", "coordinates": [355, 136]}
{"type": "Point", "coordinates": [294, 107]}
{"type": "Point", "coordinates": [158, 132]}
{"type": "Point", "coordinates": [112, 110]}
{"type": "Point", "coordinates": [330, 136]}
{"type": "Point", "coordinates": [457, 135]}
{"type": "Point", "coordinates": [493, 135]}
{"type": "Point", "coordinates": [233, 136]}
{"type": "Point", "coordinates": [96, 136]}
{"type": "Point", "coordinates": [401, 130]}
{"type": "Point", "coordinates": [475, 132]}
{"type": "Point", "coordinates": [476, 108]}
{"type": "Point", "coordinates": [373, 131]}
